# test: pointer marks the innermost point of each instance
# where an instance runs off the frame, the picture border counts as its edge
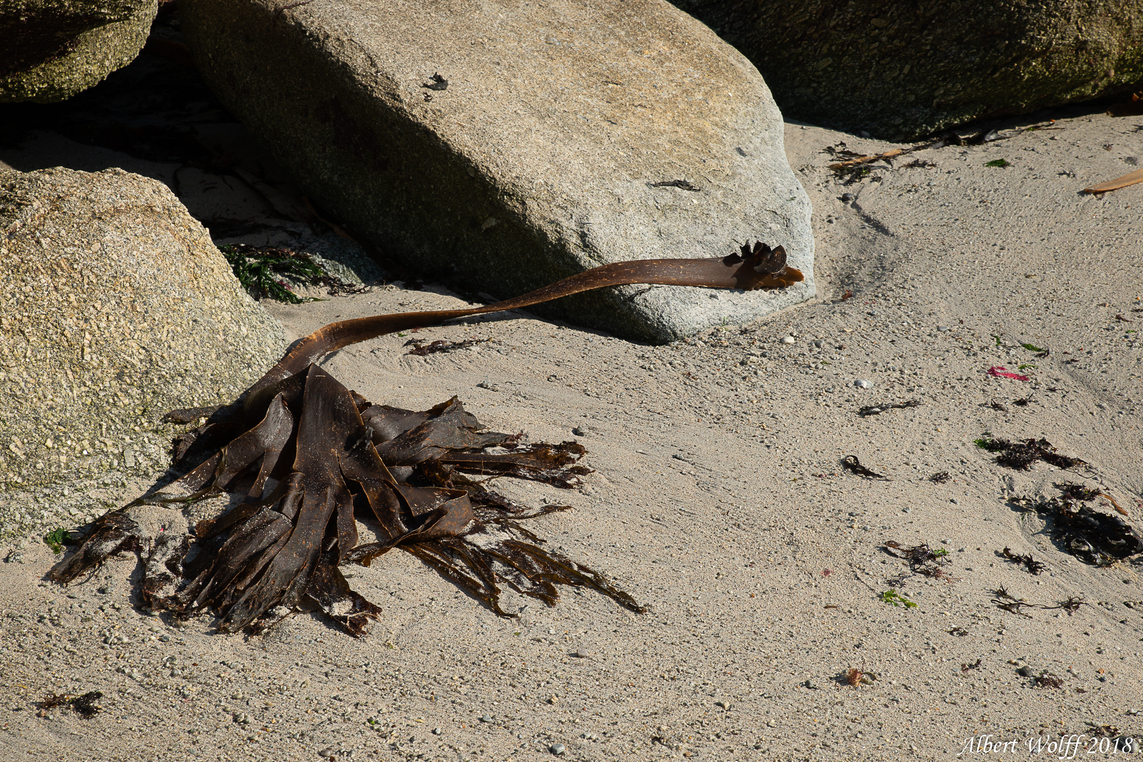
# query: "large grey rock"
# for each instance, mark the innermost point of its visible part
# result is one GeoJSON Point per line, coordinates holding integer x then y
{"type": "Point", "coordinates": [53, 49]}
{"type": "Point", "coordinates": [115, 307]}
{"type": "Point", "coordinates": [538, 159]}
{"type": "Point", "coordinates": [903, 69]}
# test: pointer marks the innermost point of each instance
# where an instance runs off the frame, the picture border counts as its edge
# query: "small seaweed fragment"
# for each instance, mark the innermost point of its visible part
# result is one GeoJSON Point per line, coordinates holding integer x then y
{"type": "Point", "coordinates": [1021, 455]}
{"type": "Point", "coordinates": [1096, 538]}
{"type": "Point", "coordinates": [896, 599]}
{"type": "Point", "coordinates": [852, 464]}
{"type": "Point", "coordinates": [840, 150]}
{"type": "Point", "coordinates": [922, 559]}
{"type": "Point", "coordinates": [854, 174]}
{"type": "Point", "coordinates": [1004, 600]}
{"type": "Point", "coordinates": [1031, 565]}
{"type": "Point", "coordinates": [940, 477]}
{"type": "Point", "coordinates": [421, 348]}
{"type": "Point", "coordinates": [1072, 491]}
{"type": "Point", "coordinates": [1071, 605]}
{"type": "Point", "coordinates": [851, 159]}
{"type": "Point", "coordinates": [997, 163]}
{"type": "Point", "coordinates": [966, 667]}
{"type": "Point", "coordinates": [1047, 680]}
{"type": "Point", "coordinates": [84, 705]}
{"type": "Point", "coordinates": [878, 409]}
{"type": "Point", "coordinates": [436, 82]}
{"type": "Point", "coordinates": [53, 700]}
{"type": "Point", "coordinates": [261, 271]}
{"type": "Point", "coordinates": [56, 539]}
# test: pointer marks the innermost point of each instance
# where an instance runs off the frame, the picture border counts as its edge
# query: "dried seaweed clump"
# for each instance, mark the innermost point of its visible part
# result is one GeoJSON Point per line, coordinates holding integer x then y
{"type": "Point", "coordinates": [1047, 680]}
{"type": "Point", "coordinates": [853, 465]}
{"type": "Point", "coordinates": [1021, 455]}
{"type": "Point", "coordinates": [922, 559]}
{"type": "Point", "coordinates": [1099, 539]}
{"type": "Point", "coordinates": [1010, 603]}
{"type": "Point", "coordinates": [1031, 565]}
{"type": "Point", "coordinates": [85, 705]}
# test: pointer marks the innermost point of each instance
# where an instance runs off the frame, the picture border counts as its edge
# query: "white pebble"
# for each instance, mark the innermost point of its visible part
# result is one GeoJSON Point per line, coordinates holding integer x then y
{"type": "Point", "coordinates": [863, 383]}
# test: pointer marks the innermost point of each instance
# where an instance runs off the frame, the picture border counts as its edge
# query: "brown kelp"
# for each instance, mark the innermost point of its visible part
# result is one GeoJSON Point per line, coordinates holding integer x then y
{"type": "Point", "coordinates": [304, 458]}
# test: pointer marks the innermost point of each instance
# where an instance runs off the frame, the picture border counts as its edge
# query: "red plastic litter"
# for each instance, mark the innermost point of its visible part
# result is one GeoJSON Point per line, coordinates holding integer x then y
{"type": "Point", "coordinates": [1001, 372]}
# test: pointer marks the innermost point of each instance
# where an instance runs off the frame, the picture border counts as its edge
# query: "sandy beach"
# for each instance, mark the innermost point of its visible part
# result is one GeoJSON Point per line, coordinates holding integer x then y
{"type": "Point", "coordinates": [1002, 299]}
